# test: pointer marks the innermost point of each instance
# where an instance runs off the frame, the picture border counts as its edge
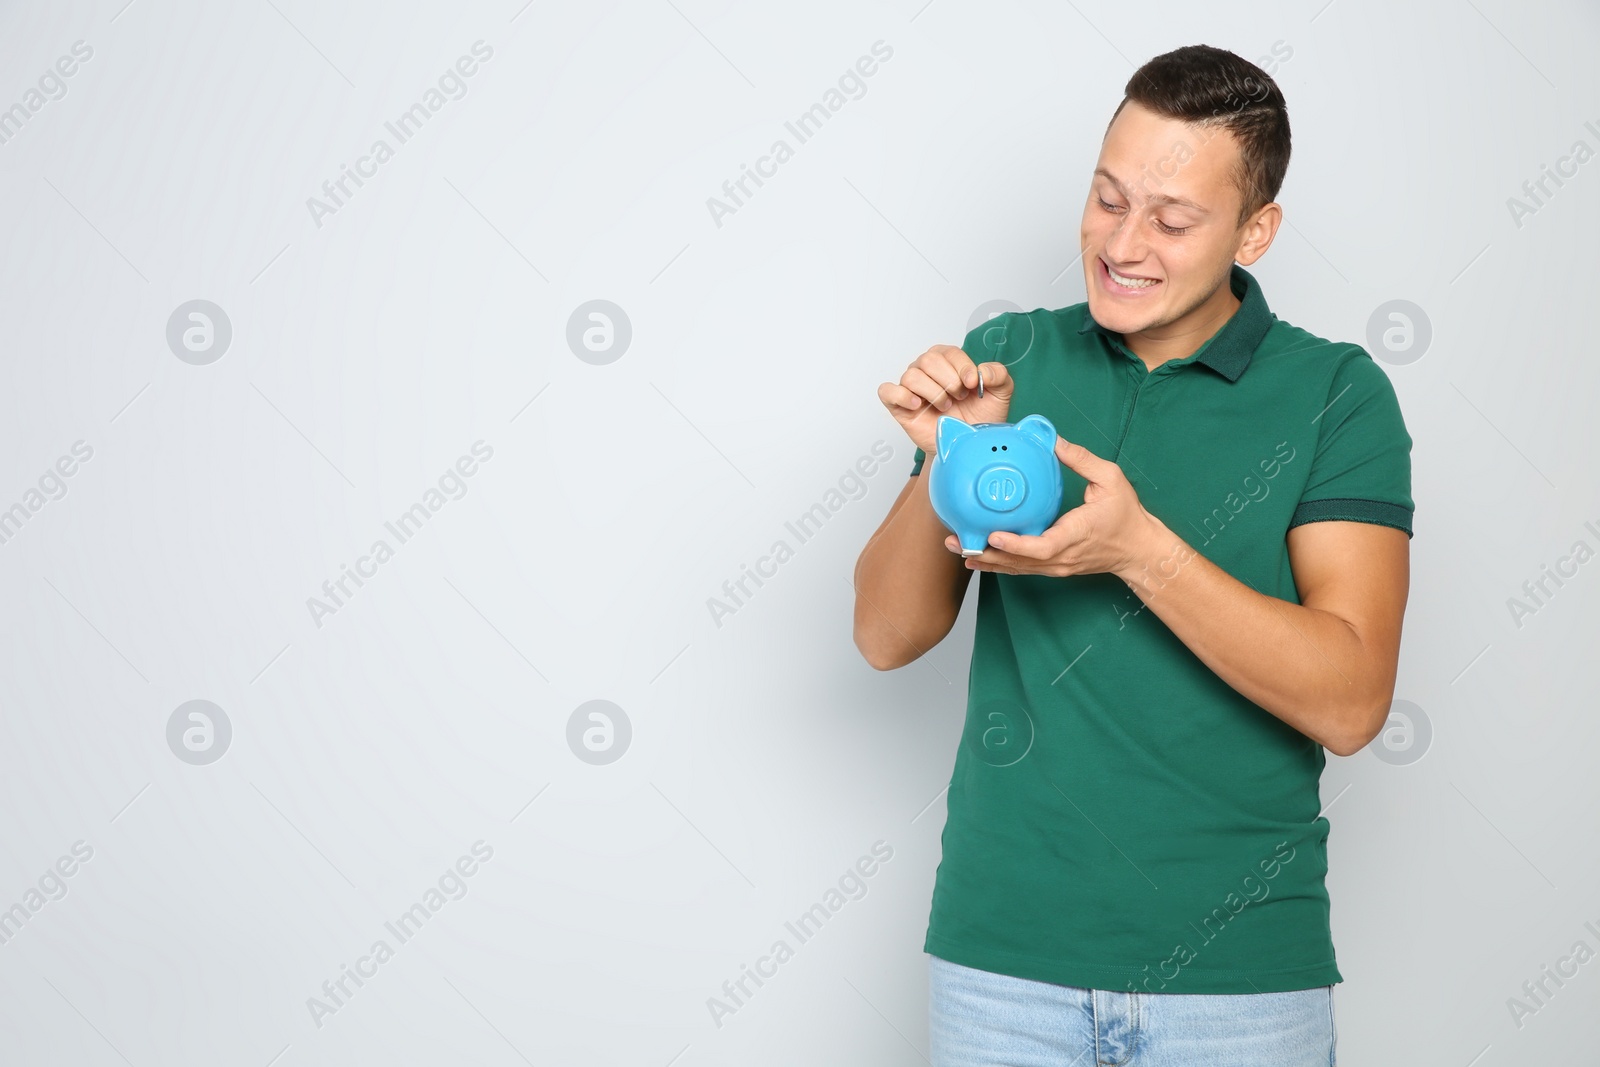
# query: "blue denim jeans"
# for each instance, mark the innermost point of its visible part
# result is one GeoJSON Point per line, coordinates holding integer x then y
{"type": "Point", "coordinates": [980, 1019]}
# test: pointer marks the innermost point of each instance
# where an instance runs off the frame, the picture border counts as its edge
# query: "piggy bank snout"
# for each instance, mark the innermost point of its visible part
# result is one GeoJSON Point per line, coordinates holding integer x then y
{"type": "Point", "coordinates": [1001, 487]}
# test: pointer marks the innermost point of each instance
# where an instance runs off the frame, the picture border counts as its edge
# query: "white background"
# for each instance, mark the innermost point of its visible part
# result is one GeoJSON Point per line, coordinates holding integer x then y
{"type": "Point", "coordinates": [431, 710]}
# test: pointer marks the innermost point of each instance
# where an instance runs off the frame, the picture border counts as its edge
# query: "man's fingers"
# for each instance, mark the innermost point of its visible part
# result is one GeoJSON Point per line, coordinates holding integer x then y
{"type": "Point", "coordinates": [898, 396]}
{"type": "Point", "coordinates": [996, 378]}
{"type": "Point", "coordinates": [1083, 461]}
{"type": "Point", "coordinates": [1046, 546]}
{"type": "Point", "coordinates": [929, 389]}
{"type": "Point", "coordinates": [950, 367]}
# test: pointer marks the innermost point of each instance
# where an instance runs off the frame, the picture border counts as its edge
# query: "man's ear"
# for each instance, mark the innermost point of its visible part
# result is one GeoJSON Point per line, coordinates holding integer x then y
{"type": "Point", "coordinates": [1259, 233]}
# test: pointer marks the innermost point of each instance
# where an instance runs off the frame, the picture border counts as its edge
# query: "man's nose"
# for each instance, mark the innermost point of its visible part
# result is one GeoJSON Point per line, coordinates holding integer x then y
{"type": "Point", "coordinates": [1126, 244]}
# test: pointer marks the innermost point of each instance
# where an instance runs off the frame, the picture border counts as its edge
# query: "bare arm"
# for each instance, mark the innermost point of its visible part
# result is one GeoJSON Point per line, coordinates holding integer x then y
{"type": "Point", "coordinates": [1325, 666]}
{"type": "Point", "coordinates": [909, 586]}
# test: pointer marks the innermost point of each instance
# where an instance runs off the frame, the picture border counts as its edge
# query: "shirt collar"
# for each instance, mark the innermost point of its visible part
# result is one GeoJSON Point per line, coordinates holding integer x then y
{"type": "Point", "coordinates": [1228, 351]}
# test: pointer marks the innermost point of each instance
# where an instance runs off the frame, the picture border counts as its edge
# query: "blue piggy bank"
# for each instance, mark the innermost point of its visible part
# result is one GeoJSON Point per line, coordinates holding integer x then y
{"type": "Point", "coordinates": [992, 476]}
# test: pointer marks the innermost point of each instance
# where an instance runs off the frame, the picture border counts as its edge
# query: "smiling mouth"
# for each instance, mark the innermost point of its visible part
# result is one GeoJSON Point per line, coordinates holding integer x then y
{"type": "Point", "coordinates": [1129, 283]}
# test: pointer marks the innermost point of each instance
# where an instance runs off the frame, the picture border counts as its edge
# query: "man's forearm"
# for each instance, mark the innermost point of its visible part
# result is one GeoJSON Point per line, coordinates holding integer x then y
{"type": "Point", "coordinates": [1308, 667]}
{"type": "Point", "coordinates": [909, 587]}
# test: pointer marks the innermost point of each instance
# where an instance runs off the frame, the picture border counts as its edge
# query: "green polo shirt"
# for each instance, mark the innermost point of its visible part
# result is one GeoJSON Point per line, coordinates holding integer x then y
{"type": "Point", "coordinates": [1118, 816]}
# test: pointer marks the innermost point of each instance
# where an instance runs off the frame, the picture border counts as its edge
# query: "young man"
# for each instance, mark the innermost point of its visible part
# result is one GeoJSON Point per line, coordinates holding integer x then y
{"type": "Point", "coordinates": [1134, 856]}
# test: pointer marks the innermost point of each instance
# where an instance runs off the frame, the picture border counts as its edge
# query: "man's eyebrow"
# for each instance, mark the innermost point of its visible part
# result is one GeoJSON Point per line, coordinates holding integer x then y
{"type": "Point", "coordinates": [1155, 198]}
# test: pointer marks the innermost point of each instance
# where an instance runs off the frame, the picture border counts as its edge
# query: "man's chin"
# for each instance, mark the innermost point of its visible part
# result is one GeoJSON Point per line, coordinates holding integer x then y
{"type": "Point", "coordinates": [1118, 319]}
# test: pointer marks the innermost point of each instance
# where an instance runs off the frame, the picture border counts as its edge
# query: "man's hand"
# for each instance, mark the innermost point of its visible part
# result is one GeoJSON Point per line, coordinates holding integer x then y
{"type": "Point", "coordinates": [1107, 533]}
{"type": "Point", "coordinates": [944, 381]}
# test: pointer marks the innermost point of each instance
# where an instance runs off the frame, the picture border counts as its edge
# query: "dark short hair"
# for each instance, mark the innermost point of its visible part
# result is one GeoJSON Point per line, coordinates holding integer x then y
{"type": "Point", "coordinates": [1210, 86]}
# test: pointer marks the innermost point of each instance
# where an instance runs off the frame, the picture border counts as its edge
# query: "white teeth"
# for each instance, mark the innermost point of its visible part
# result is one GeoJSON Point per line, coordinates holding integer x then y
{"type": "Point", "coordinates": [1131, 283]}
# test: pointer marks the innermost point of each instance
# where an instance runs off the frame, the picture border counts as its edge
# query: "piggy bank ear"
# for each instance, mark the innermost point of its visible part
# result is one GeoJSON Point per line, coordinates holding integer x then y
{"type": "Point", "coordinates": [949, 430]}
{"type": "Point", "coordinates": [1040, 429]}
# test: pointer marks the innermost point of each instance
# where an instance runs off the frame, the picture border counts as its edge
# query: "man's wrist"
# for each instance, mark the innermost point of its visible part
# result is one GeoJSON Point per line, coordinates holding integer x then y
{"type": "Point", "coordinates": [1157, 556]}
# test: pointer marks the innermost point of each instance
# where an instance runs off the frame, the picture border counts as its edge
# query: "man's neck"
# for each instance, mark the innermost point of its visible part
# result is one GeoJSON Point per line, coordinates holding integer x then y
{"type": "Point", "coordinates": [1183, 338]}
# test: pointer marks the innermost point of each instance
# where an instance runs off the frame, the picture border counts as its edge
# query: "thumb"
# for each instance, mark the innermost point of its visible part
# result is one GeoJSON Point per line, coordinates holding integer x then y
{"type": "Point", "coordinates": [1080, 459]}
{"type": "Point", "coordinates": [997, 379]}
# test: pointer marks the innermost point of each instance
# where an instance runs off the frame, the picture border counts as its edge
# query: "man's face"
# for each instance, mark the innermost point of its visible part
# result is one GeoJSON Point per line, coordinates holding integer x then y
{"type": "Point", "coordinates": [1132, 229]}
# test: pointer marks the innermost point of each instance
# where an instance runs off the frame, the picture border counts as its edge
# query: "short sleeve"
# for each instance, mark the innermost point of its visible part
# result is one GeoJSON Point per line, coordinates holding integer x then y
{"type": "Point", "coordinates": [1362, 468]}
{"type": "Point", "coordinates": [981, 343]}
